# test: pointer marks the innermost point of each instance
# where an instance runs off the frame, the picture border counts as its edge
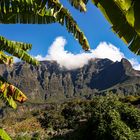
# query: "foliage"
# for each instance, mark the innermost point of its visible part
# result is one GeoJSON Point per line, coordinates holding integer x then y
{"type": "Point", "coordinates": [124, 18]}
{"type": "Point", "coordinates": [102, 118]}
{"type": "Point", "coordinates": [10, 94]}
{"type": "Point", "coordinates": [108, 117]}
{"type": "Point", "coordinates": [4, 135]}
{"type": "Point", "coordinates": [135, 100]}
{"type": "Point", "coordinates": [112, 119]}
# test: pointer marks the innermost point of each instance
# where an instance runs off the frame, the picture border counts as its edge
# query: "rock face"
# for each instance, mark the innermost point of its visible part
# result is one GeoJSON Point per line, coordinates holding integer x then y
{"type": "Point", "coordinates": [49, 81]}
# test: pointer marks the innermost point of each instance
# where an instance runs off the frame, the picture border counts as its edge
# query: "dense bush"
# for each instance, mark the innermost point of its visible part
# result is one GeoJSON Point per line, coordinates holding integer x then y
{"type": "Point", "coordinates": [112, 119]}
{"type": "Point", "coordinates": [103, 118]}
{"type": "Point", "coordinates": [107, 118]}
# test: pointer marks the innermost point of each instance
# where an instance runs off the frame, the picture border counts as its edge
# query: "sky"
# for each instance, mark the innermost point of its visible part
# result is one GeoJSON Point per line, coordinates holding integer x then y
{"type": "Point", "coordinates": [53, 42]}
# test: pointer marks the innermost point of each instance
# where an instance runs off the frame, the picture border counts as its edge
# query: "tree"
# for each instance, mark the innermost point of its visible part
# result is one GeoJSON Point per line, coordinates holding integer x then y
{"type": "Point", "coordinates": [111, 119]}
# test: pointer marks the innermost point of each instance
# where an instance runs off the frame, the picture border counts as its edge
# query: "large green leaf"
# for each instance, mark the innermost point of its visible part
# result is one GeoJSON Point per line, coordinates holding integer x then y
{"type": "Point", "coordinates": [17, 49]}
{"type": "Point", "coordinates": [124, 18]}
{"type": "Point", "coordinates": [79, 4]}
{"type": "Point", "coordinates": [4, 135]}
{"type": "Point", "coordinates": [27, 12]}
{"type": "Point", "coordinates": [41, 12]}
{"type": "Point", "coordinates": [64, 17]}
{"type": "Point", "coordinates": [9, 94]}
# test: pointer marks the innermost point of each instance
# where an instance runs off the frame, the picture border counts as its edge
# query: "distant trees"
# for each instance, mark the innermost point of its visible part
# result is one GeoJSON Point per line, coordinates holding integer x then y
{"type": "Point", "coordinates": [103, 118]}
{"type": "Point", "coordinates": [112, 119]}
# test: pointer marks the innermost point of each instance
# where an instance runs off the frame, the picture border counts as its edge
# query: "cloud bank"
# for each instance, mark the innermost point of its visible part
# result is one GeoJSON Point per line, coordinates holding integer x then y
{"type": "Point", "coordinates": [69, 60]}
{"type": "Point", "coordinates": [135, 63]}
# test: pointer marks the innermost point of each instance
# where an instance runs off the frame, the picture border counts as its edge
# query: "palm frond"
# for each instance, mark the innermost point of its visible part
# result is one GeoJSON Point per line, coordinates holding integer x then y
{"type": "Point", "coordinates": [124, 18]}
{"type": "Point", "coordinates": [17, 49]}
{"type": "Point", "coordinates": [4, 135]}
{"type": "Point", "coordinates": [79, 4]}
{"type": "Point", "coordinates": [64, 17]}
{"type": "Point", "coordinates": [5, 59]}
{"type": "Point", "coordinates": [37, 12]}
{"type": "Point", "coordinates": [26, 12]}
{"type": "Point", "coordinates": [9, 94]}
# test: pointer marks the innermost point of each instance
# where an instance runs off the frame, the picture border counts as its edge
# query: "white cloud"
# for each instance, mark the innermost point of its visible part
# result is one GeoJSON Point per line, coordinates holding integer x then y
{"type": "Point", "coordinates": [40, 57]}
{"type": "Point", "coordinates": [107, 50]}
{"type": "Point", "coordinates": [135, 63]}
{"type": "Point", "coordinates": [69, 60]}
{"type": "Point", "coordinates": [16, 60]}
{"type": "Point", "coordinates": [65, 58]}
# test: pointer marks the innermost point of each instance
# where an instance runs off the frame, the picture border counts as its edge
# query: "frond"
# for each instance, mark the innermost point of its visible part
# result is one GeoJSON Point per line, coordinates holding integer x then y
{"type": "Point", "coordinates": [17, 49]}
{"type": "Point", "coordinates": [40, 12]}
{"type": "Point", "coordinates": [23, 46]}
{"type": "Point", "coordinates": [4, 135]}
{"type": "Point", "coordinates": [64, 17]}
{"type": "Point", "coordinates": [125, 20]}
{"type": "Point", "coordinates": [26, 12]}
{"type": "Point", "coordinates": [79, 4]}
{"type": "Point", "coordinates": [5, 59]}
{"type": "Point", "coordinates": [9, 93]}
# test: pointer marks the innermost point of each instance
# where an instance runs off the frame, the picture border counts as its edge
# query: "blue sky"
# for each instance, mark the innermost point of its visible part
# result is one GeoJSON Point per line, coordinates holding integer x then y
{"type": "Point", "coordinates": [92, 23]}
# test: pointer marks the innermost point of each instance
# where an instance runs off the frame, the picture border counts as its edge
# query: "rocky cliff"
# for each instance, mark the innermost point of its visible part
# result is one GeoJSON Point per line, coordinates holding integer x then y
{"type": "Point", "coordinates": [50, 81]}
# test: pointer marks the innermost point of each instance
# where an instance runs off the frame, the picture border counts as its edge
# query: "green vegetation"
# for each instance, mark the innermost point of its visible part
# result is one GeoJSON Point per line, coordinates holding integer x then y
{"type": "Point", "coordinates": [102, 118]}
{"type": "Point", "coordinates": [124, 17]}
{"type": "Point", "coordinates": [3, 135]}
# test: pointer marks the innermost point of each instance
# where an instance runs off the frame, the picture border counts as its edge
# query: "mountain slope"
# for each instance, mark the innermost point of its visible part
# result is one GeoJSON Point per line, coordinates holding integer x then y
{"type": "Point", "coordinates": [49, 81]}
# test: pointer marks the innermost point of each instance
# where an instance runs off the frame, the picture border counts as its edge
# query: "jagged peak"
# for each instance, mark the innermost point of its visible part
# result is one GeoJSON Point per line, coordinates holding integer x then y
{"type": "Point", "coordinates": [126, 64]}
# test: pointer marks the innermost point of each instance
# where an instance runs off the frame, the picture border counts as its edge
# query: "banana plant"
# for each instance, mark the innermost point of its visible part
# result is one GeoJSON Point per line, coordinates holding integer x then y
{"type": "Point", "coordinates": [10, 94]}
{"type": "Point", "coordinates": [30, 12]}
{"type": "Point", "coordinates": [4, 135]}
{"type": "Point", "coordinates": [124, 17]}
{"type": "Point", "coordinates": [41, 12]}
{"type": "Point", "coordinates": [79, 4]}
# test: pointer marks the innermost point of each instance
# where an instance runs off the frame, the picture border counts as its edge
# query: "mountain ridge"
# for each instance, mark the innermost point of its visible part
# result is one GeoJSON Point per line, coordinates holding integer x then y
{"type": "Point", "coordinates": [50, 81]}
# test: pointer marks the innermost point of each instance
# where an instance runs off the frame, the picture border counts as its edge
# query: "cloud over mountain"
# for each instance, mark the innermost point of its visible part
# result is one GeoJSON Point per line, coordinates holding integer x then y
{"type": "Point", "coordinates": [69, 60]}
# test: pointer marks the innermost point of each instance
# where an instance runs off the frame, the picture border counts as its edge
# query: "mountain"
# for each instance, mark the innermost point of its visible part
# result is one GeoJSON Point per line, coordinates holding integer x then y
{"type": "Point", "coordinates": [50, 81]}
